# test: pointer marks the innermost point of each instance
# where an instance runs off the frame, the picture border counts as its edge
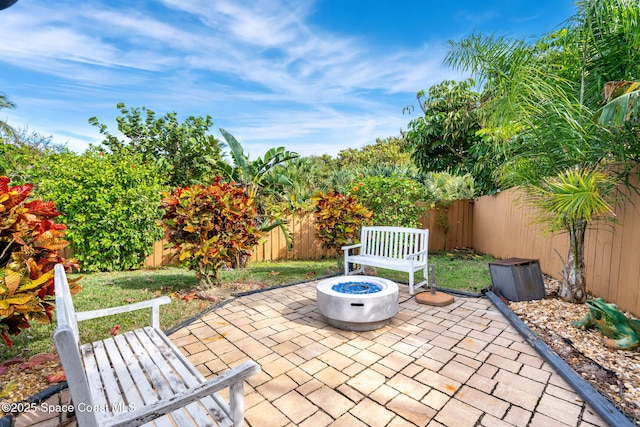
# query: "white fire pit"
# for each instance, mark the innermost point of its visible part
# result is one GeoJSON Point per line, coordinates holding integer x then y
{"type": "Point", "coordinates": [357, 303]}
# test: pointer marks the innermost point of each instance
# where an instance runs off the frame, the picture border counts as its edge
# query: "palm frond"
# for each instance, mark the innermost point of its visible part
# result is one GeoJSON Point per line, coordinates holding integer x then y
{"type": "Point", "coordinates": [620, 109]}
{"type": "Point", "coordinates": [576, 195]}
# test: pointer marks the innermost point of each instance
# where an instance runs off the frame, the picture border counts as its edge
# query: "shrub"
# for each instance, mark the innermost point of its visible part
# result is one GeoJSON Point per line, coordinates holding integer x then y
{"type": "Point", "coordinates": [211, 227]}
{"type": "Point", "coordinates": [393, 199]}
{"type": "Point", "coordinates": [29, 248]}
{"type": "Point", "coordinates": [339, 219]}
{"type": "Point", "coordinates": [110, 205]}
{"type": "Point", "coordinates": [183, 152]}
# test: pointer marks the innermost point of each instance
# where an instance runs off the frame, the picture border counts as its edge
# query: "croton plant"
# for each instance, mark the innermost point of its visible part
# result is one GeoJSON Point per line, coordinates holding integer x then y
{"type": "Point", "coordinates": [30, 244]}
{"type": "Point", "coordinates": [210, 227]}
{"type": "Point", "coordinates": [339, 219]}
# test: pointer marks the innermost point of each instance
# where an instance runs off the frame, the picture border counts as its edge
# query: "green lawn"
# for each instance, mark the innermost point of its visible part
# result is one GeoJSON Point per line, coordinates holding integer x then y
{"type": "Point", "coordinates": [456, 270]}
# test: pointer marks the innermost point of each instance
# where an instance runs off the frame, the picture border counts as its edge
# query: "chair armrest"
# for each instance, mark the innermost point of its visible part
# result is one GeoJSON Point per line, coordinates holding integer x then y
{"type": "Point", "coordinates": [154, 304]}
{"type": "Point", "coordinates": [349, 247]}
{"type": "Point", "coordinates": [183, 398]}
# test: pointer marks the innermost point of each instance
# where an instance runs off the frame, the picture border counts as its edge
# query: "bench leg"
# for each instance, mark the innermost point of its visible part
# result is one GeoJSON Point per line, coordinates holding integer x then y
{"type": "Point", "coordinates": [347, 263]}
{"type": "Point", "coordinates": [411, 283]}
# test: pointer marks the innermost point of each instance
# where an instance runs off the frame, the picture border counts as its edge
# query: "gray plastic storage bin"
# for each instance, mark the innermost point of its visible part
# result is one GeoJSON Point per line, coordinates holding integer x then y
{"type": "Point", "coordinates": [517, 279]}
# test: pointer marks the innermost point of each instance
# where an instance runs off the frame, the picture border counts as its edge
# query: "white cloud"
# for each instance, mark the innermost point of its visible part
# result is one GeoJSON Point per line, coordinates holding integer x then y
{"type": "Point", "coordinates": [258, 67]}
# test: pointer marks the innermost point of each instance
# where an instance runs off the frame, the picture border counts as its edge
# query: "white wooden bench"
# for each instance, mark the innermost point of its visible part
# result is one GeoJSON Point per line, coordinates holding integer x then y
{"type": "Point", "coordinates": [393, 248]}
{"type": "Point", "coordinates": [140, 376]}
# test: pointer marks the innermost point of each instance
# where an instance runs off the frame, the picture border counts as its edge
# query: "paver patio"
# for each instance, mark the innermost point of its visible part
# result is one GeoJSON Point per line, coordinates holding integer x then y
{"type": "Point", "coordinates": [458, 365]}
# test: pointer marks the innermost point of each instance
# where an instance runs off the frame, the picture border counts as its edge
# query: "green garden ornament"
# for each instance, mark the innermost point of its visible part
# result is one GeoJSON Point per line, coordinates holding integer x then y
{"type": "Point", "coordinates": [621, 332]}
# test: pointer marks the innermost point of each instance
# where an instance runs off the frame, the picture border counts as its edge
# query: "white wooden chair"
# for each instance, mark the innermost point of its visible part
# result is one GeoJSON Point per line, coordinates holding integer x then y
{"type": "Point", "coordinates": [140, 376]}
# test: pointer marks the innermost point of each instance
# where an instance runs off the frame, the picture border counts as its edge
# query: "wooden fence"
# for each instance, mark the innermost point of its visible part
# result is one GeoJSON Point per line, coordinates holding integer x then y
{"type": "Point", "coordinates": [305, 245]}
{"type": "Point", "coordinates": [500, 226]}
{"type": "Point", "coordinates": [450, 226]}
{"type": "Point", "coordinates": [503, 227]}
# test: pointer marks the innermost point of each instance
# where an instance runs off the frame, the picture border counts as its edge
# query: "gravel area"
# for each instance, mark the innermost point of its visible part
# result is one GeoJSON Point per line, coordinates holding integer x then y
{"type": "Point", "coordinates": [613, 373]}
{"type": "Point", "coordinates": [20, 379]}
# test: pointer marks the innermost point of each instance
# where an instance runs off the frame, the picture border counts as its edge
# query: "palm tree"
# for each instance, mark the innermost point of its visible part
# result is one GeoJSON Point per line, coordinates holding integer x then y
{"type": "Point", "coordinates": [4, 126]}
{"type": "Point", "coordinates": [569, 202]}
{"type": "Point", "coordinates": [540, 101]}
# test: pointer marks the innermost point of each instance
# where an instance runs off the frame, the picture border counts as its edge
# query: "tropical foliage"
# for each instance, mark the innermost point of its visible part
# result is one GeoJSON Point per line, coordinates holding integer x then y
{"type": "Point", "coordinates": [184, 153]}
{"type": "Point", "coordinates": [388, 152]}
{"type": "Point", "coordinates": [308, 176]}
{"type": "Point", "coordinates": [5, 129]}
{"type": "Point", "coordinates": [339, 219]}
{"type": "Point", "coordinates": [441, 139]}
{"type": "Point", "coordinates": [21, 154]}
{"type": "Point", "coordinates": [540, 102]}
{"type": "Point", "coordinates": [210, 227]}
{"type": "Point", "coordinates": [30, 241]}
{"type": "Point", "coordinates": [393, 199]}
{"type": "Point", "coordinates": [262, 181]}
{"type": "Point", "coordinates": [109, 203]}
{"type": "Point", "coordinates": [448, 137]}
{"type": "Point", "coordinates": [442, 186]}
{"type": "Point", "coordinates": [569, 202]}
{"type": "Point", "coordinates": [257, 176]}
{"type": "Point", "coordinates": [314, 174]}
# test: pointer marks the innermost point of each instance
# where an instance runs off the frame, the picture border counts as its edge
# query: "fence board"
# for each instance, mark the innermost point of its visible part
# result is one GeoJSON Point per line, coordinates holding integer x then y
{"type": "Point", "coordinates": [503, 228]}
{"type": "Point", "coordinates": [450, 225]}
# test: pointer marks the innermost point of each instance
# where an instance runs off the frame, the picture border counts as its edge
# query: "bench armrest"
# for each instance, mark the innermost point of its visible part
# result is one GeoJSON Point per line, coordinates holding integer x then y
{"type": "Point", "coordinates": [150, 412]}
{"type": "Point", "coordinates": [154, 304]}
{"type": "Point", "coordinates": [349, 247]}
{"type": "Point", "coordinates": [416, 254]}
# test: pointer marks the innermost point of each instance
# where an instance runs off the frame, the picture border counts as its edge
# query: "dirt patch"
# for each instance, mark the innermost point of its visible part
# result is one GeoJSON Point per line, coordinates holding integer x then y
{"type": "Point", "coordinates": [227, 290]}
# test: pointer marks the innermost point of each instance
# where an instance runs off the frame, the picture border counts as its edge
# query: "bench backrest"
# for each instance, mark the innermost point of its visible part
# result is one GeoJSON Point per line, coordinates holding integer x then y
{"type": "Point", "coordinates": [394, 242]}
{"type": "Point", "coordinates": [67, 342]}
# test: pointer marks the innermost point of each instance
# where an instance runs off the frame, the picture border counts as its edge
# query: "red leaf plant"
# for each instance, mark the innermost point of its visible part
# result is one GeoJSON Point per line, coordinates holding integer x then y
{"type": "Point", "coordinates": [30, 244]}
{"type": "Point", "coordinates": [210, 227]}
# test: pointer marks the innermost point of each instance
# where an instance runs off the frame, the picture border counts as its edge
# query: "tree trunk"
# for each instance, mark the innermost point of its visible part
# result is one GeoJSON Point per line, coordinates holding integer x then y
{"type": "Point", "coordinates": [574, 285]}
{"type": "Point", "coordinates": [208, 275]}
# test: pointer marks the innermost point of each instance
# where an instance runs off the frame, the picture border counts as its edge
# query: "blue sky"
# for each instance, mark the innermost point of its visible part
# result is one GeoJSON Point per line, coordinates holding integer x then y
{"type": "Point", "coordinates": [313, 76]}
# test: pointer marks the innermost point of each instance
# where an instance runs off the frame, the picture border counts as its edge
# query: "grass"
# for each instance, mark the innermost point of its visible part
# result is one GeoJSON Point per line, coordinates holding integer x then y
{"type": "Point", "coordinates": [456, 270]}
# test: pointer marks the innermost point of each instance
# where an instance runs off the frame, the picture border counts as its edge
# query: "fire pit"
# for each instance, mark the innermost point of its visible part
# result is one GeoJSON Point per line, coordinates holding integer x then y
{"type": "Point", "coordinates": [357, 303]}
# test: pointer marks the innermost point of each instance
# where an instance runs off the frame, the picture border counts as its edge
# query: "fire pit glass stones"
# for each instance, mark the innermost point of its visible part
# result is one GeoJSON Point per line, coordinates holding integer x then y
{"type": "Point", "coordinates": [357, 303]}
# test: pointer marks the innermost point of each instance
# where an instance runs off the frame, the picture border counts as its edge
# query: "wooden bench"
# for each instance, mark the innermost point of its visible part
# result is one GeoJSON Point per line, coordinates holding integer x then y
{"type": "Point", "coordinates": [393, 248]}
{"type": "Point", "coordinates": [140, 376]}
